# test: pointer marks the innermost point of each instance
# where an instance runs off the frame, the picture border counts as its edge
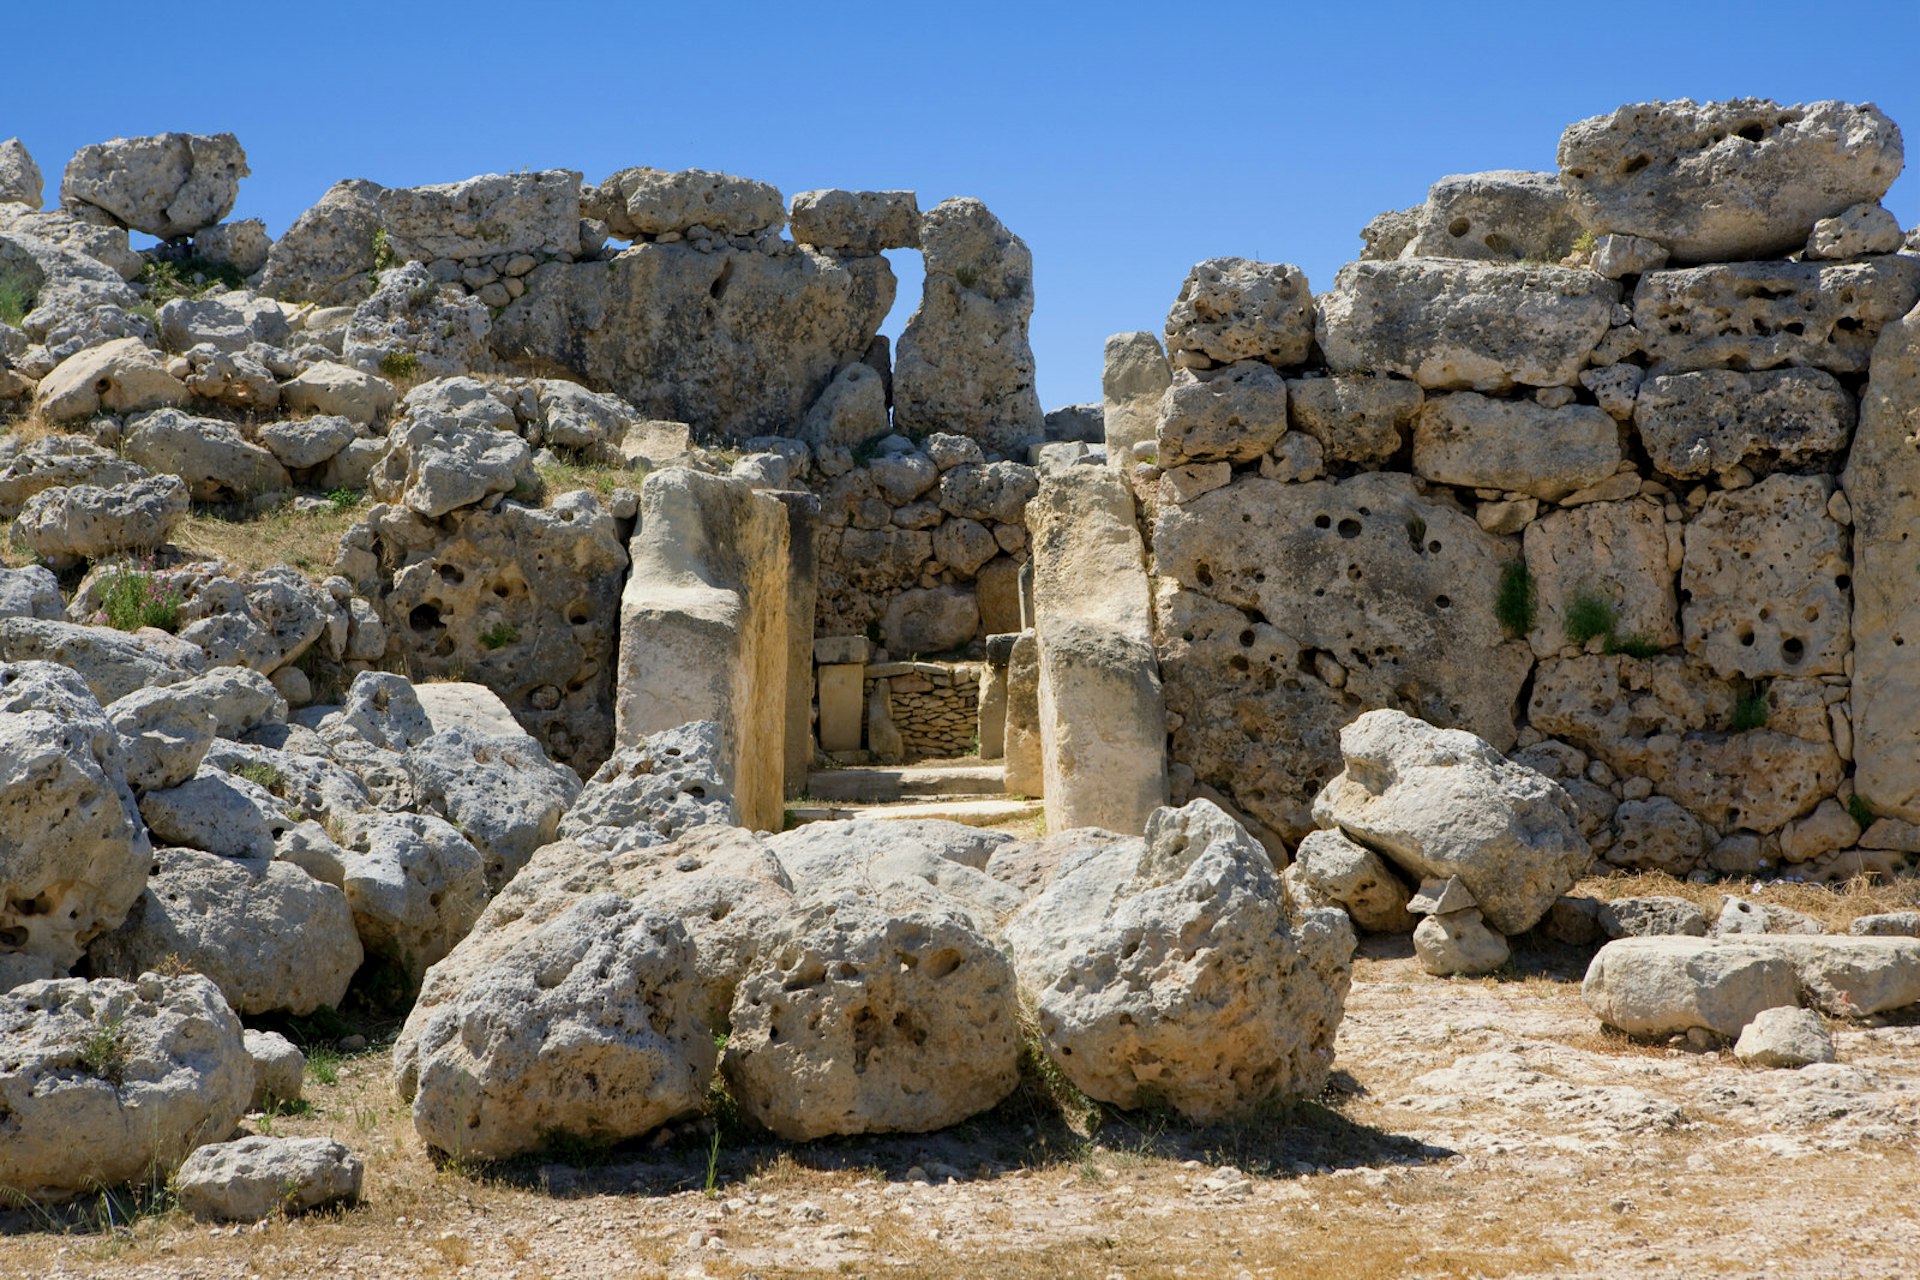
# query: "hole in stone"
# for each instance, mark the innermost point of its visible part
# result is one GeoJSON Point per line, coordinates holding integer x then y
{"type": "Point", "coordinates": [1752, 132]}
{"type": "Point", "coordinates": [1443, 602]}
{"type": "Point", "coordinates": [424, 618]}
{"type": "Point", "coordinates": [451, 574]}
{"type": "Point", "coordinates": [1323, 522]}
{"type": "Point", "coordinates": [1246, 638]}
{"type": "Point", "coordinates": [1636, 164]}
{"type": "Point", "coordinates": [1349, 528]}
{"type": "Point", "coordinates": [1459, 227]}
{"type": "Point", "coordinates": [1794, 650]}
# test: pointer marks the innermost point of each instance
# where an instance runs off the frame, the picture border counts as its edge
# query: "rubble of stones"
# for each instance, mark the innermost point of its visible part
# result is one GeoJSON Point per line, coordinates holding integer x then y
{"type": "Point", "coordinates": [1563, 531]}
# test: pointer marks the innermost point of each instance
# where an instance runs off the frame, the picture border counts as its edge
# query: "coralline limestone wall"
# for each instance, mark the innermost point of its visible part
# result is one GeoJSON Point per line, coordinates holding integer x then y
{"type": "Point", "coordinates": [1610, 466]}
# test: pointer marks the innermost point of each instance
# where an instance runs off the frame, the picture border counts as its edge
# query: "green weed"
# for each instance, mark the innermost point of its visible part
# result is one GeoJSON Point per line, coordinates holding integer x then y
{"type": "Point", "coordinates": [383, 255]}
{"type": "Point", "coordinates": [1517, 601]}
{"type": "Point", "coordinates": [1859, 810]}
{"type": "Point", "coordinates": [400, 364]}
{"type": "Point", "coordinates": [1590, 616]}
{"type": "Point", "coordinates": [189, 277]}
{"type": "Point", "coordinates": [344, 500]}
{"type": "Point", "coordinates": [499, 635]}
{"type": "Point", "coordinates": [262, 774]}
{"type": "Point", "coordinates": [1750, 706]}
{"type": "Point", "coordinates": [16, 298]}
{"type": "Point", "coordinates": [1636, 645]}
{"type": "Point", "coordinates": [134, 598]}
{"type": "Point", "coordinates": [104, 1051]}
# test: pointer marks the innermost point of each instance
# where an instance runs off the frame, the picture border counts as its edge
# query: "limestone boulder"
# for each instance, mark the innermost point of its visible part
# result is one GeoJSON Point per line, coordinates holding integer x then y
{"type": "Point", "coordinates": [279, 1069]}
{"type": "Point", "coordinates": [856, 221]}
{"type": "Point", "coordinates": [1231, 414]}
{"type": "Point", "coordinates": [267, 934]}
{"type": "Point", "coordinates": [112, 663]}
{"type": "Point", "coordinates": [1754, 781]}
{"type": "Point", "coordinates": [254, 1178]}
{"type": "Point", "coordinates": [225, 814]}
{"type": "Point", "coordinates": [242, 245]}
{"type": "Point", "coordinates": [1457, 325]}
{"type": "Point", "coordinates": [57, 461]}
{"type": "Point", "coordinates": [1612, 552]}
{"type": "Point", "coordinates": [828, 860]}
{"type": "Point", "coordinates": [650, 793]}
{"type": "Point", "coordinates": [735, 343]}
{"type": "Point", "coordinates": [239, 700]}
{"type": "Point", "coordinates": [1863, 229]}
{"type": "Point", "coordinates": [1761, 315]}
{"type": "Point", "coordinates": [1656, 834]}
{"type": "Point", "coordinates": [227, 322]}
{"type": "Point", "coordinates": [1503, 215]}
{"type": "Point", "coordinates": [653, 202]}
{"type": "Point", "coordinates": [851, 411]}
{"type": "Point", "coordinates": [1721, 180]}
{"type": "Point", "coordinates": [1784, 1038]}
{"type": "Point", "coordinates": [70, 250]}
{"type": "Point", "coordinates": [436, 464]}
{"type": "Point", "coordinates": [1651, 916]}
{"type": "Point", "coordinates": [1458, 943]}
{"type": "Point", "coordinates": [168, 186]}
{"type": "Point", "coordinates": [73, 851]}
{"type": "Point", "coordinates": [1171, 970]}
{"type": "Point", "coordinates": [31, 591]}
{"type": "Point", "coordinates": [491, 216]}
{"type": "Point", "coordinates": [339, 390]}
{"type": "Point", "coordinates": [1515, 445]}
{"type": "Point", "coordinates": [216, 461]}
{"type": "Point", "coordinates": [1441, 802]}
{"type": "Point", "coordinates": [120, 376]}
{"type": "Point", "coordinates": [1852, 977]}
{"type": "Point", "coordinates": [964, 364]}
{"type": "Point", "coordinates": [20, 181]}
{"type": "Point", "coordinates": [106, 1082]}
{"type": "Point", "coordinates": [1768, 582]}
{"type": "Point", "coordinates": [887, 1011]}
{"type": "Point", "coordinates": [1699, 424]}
{"type": "Point", "coordinates": [328, 255]}
{"type": "Point", "coordinates": [415, 886]}
{"type": "Point", "coordinates": [410, 323]}
{"type": "Point", "coordinates": [164, 733]}
{"type": "Point", "coordinates": [1234, 309]}
{"type": "Point", "coordinates": [501, 792]}
{"type": "Point", "coordinates": [992, 491]}
{"type": "Point", "coordinates": [1663, 986]}
{"type": "Point", "coordinates": [1361, 418]}
{"type": "Point", "coordinates": [589, 1026]}
{"type": "Point", "coordinates": [1329, 870]}
{"type": "Point", "coordinates": [1133, 377]}
{"type": "Point", "coordinates": [64, 527]}
{"type": "Point", "coordinates": [929, 620]}
{"type": "Point", "coordinates": [300, 444]}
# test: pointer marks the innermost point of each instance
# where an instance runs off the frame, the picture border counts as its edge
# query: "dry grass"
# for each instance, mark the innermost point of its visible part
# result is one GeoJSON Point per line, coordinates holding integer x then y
{"type": "Point", "coordinates": [1834, 907]}
{"type": "Point", "coordinates": [569, 474]}
{"type": "Point", "coordinates": [306, 540]}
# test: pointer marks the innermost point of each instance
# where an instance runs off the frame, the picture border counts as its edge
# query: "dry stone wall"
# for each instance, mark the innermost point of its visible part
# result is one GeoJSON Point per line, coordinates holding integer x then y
{"type": "Point", "coordinates": [1640, 523]}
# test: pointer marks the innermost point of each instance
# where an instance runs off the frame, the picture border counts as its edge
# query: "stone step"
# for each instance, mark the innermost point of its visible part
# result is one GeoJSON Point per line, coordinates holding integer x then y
{"type": "Point", "coordinates": [974, 811]}
{"type": "Point", "coordinates": [874, 785]}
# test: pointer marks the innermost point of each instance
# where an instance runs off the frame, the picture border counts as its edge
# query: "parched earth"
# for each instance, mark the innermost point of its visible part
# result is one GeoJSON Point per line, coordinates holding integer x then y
{"type": "Point", "coordinates": [1475, 1128]}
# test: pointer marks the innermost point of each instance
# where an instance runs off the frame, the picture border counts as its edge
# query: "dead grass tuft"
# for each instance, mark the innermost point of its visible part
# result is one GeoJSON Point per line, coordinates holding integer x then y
{"type": "Point", "coordinates": [306, 540]}
{"type": "Point", "coordinates": [1833, 906]}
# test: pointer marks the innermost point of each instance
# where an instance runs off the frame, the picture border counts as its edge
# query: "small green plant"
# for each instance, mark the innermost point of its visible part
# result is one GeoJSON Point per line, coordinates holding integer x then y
{"type": "Point", "coordinates": [1750, 706]}
{"type": "Point", "coordinates": [134, 598]}
{"type": "Point", "coordinates": [499, 635]}
{"type": "Point", "coordinates": [1636, 645]}
{"type": "Point", "coordinates": [383, 255]}
{"type": "Point", "coordinates": [16, 298]}
{"type": "Point", "coordinates": [967, 275]}
{"type": "Point", "coordinates": [400, 364]}
{"type": "Point", "coordinates": [323, 1064]}
{"type": "Point", "coordinates": [104, 1050]}
{"type": "Point", "coordinates": [344, 500]}
{"type": "Point", "coordinates": [713, 1166]}
{"type": "Point", "coordinates": [1859, 810]}
{"type": "Point", "coordinates": [1589, 616]}
{"type": "Point", "coordinates": [191, 277]}
{"type": "Point", "coordinates": [262, 774]}
{"type": "Point", "coordinates": [1584, 242]}
{"type": "Point", "coordinates": [1515, 604]}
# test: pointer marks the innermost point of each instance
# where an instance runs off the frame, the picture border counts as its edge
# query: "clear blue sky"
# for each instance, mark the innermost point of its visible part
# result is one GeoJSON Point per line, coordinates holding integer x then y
{"type": "Point", "coordinates": [1123, 141]}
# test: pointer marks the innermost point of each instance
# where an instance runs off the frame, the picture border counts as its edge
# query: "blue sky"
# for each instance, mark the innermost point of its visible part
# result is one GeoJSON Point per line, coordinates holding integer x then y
{"type": "Point", "coordinates": [1123, 141]}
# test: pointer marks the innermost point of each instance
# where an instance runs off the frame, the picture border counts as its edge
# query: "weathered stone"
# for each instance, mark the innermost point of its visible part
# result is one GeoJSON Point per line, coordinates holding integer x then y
{"type": "Point", "coordinates": [501, 792]}
{"type": "Point", "coordinates": [279, 1069]}
{"type": "Point", "coordinates": [113, 663]}
{"type": "Point", "coordinates": [1389, 233]}
{"type": "Point", "coordinates": [1890, 924]}
{"type": "Point", "coordinates": [484, 217]}
{"type": "Point", "coordinates": [1356, 419]}
{"type": "Point", "coordinates": [73, 851]}
{"type": "Point", "coordinates": [1828, 828]}
{"type": "Point", "coordinates": [303, 443]}
{"type": "Point", "coordinates": [1233, 414]}
{"type": "Point", "coordinates": [1616, 256]}
{"type": "Point", "coordinates": [1133, 377]}
{"type": "Point", "coordinates": [1441, 802]}
{"type": "Point", "coordinates": [883, 1011]}
{"type": "Point", "coordinates": [20, 180]}
{"type": "Point", "coordinates": [31, 591]}
{"type": "Point", "coordinates": [1756, 781]}
{"type": "Point", "coordinates": [851, 411]}
{"type": "Point", "coordinates": [164, 734]}
{"type": "Point", "coordinates": [1171, 970]}
{"type": "Point", "coordinates": [1233, 309]}
{"type": "Point", "coordinates": [121, 376]}
{"type": "Point", "coordinates": [1656, 834]}
{"type": "Point", "coordinates": [436, 464]}
{"type": "Point", "coordinates": [1458, 942]}
{"type": "Point", "coordinates": [859, 221]}
{"type": "Point", "coordinates": [228, 322]}
{"type": "Point", "coordinates": [1698, 424]}
{"type": "Point", "coordinates": [338, 389]}
{"type": "Point", "coordinates": [964, 364]}
{"type": "Point", "coordinates": [1784, 1038]}
{"type": "Point", "coordinates": [1102, 718]}
{"type": "Point", "coordinates": [589, 1025]}
{"type": "Point", "coordinates": [266, 933]}
{"type": "Point", "coordinates": [1448, 324]}
{"type": "Point", "coordinates": [1667, 985]}
{"type": "Point", "coordinates": [1738, 917]}
{"type": "Point", "coordinates": [1334, 871]}
{"type": "Point", "coordinates": [928, 620]}
{"type": "Point", "coordinates": [703, 629]}
{"type": "Point", "coordinates": [1760, 315]}
{"type": "Point", "coordinates": [242, 245]}
{"type": "Point", "coordinates": [1863, 229]}
{"type": "Point", "coordinates": [105, 1082]}
{"type": "Point", "coordinates": [415, 885]}
{"type": "Point", "coordinates": [1515, 445]}
{"type": "Point", "coordinates": [216, 461]}
{"type": "Point", "coordinates": [1503, 215]}
{"type": "Point", "coordinates": [328, 254]}
{"type": "Point", "coordinates": [83, 522]}
{"type": "Point", "coordinates": [1652, 916]}
{"type": "Point", "coordinates": [735, 343]}
{"type": "Point", "coordinates": [1767, 577]}
{"type": "Point", "coordinates": [1882, 485]}
{"type": "Point", "coordinates": [411, 323]}
{"type": "Point", "coordinates": [168, 186]}
{"type": "Point", "coordinates": [653, 791]}
{"type": "Point", "coordinates": [1614, 552]}
{"type": "Point", "coordinates": [652, 202]}
{"type": "Point", "coordinates": [56, 461]}
{"type": "Point", "coordinates": [1719, 180]}
{"type": "Point", "coordinates": [257, 1177]}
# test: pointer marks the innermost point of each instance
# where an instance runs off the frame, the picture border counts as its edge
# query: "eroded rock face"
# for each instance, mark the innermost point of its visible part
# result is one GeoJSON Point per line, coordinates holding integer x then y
{"type": "Point", "coordinates": [216, 461]}
{"type": "Point", "coordinates": [857, 221]}
{"type": "Point", "coordinates": [73, 850]}
{"type": "Point", "coordinates": [1516, 445]}
{"type": "Point", "coordinates": [485, 217]}
{"type": "Point", "coordinates": [649, 793]}
{"type": "Point", "coordinates": [409, 321]}
{"type": "Point", "coordinates": [1133, 377]}
{"type": "Point", "coordinates": [735, 343]}
{"type": "Point", "coordinates": [1760, 315]}
{"type": "Point", "coordinates": [886, 1011]}
{"type": "Point", "coordinates": [502, 792]}
{"type": "Point", "coordinates": [1233, 309]}
{"type": "Point", "coordinates": [964, 365]}
{"type": "Point", "coordinates": [415, 886]}
{"type": "Point", "coordinates": [1233, 414]}
{"type": "Point", "coordinates": [1171, 970]}
{"type": "Point", "coordinates": [20, 180]}
{"type": "Point", "coordinates": [1458, 325]}
{"type": "Point", "coordinates": [589, 1026]}
{"type": "Point", "coordinates": [652, 202]}
{"type": "Point", "coordinates": [1698, 424]}
{"type": "Point", "coordinates": [1767, 577]}
{"type": "Point", "coordinates": [1722, 180]}
{"type": "Point", "coordinates": [1499, 216]}
{"type": "Point", "coordinates": [105, 1082]}
{"type": "Point", "coordinates": [1355, 418]}
{"type": "Point", "coordinates": [1331, 870]}
{"type": "Point", "coordinates": [256, 1177]}
{"type": "Point", "coordinates": [121, 376]}
{"type": "Point", "coordinates": [1611, 551]}
{"type": "Point", "coordinates": [1440, 803]}
{"type": "Point", "coordinates": [327, 255]}
{"type": "Point", "coordinates": [168, 186]}
{"type": "Point", "coordinates": [84, 522]}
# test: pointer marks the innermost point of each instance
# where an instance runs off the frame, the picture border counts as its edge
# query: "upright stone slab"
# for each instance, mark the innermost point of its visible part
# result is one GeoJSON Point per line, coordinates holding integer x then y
{"type": "Point", "coordinates": [1024, 776]}
{"type": "Point", "coordinates": [1132, 380]}
{"type": "Point", "coordinates": [1103, 723]}
{"type": "Point", "coordinates": [840, 687]}
{"type": "Point", "coordinates": [703, 627]}
{"type": "Point", "coordinates": [803, 591]}
{"type": "Point", "coordinates": [1882, 482]}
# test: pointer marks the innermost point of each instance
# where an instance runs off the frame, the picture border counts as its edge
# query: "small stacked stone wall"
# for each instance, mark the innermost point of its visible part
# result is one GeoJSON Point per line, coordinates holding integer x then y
{"type": "Point", "coordinates": [935, 707]}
